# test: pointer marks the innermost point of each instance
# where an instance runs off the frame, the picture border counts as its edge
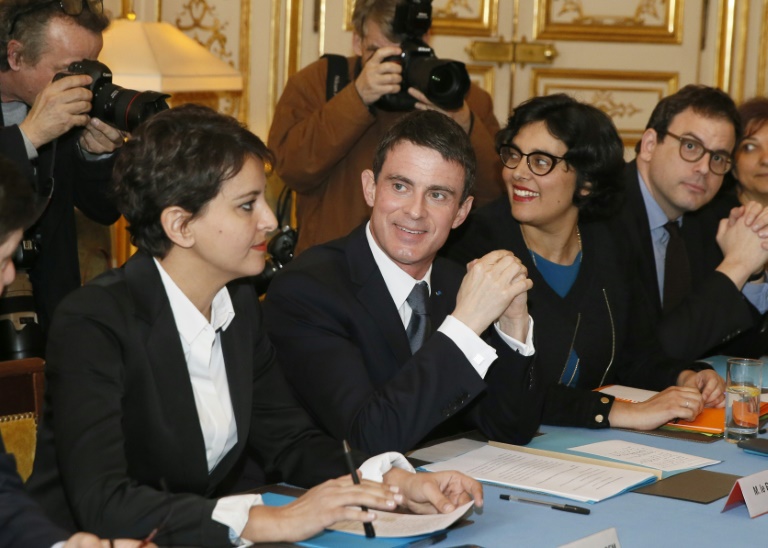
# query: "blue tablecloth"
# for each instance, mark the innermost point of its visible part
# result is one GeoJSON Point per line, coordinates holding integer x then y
{"type": "Point", "coordinates": [640, 520]}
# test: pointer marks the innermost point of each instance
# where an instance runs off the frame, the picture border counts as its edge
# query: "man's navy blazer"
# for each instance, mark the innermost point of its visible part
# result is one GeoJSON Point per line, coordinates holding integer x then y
{"type": "Point", "coordinates": [343, 347]}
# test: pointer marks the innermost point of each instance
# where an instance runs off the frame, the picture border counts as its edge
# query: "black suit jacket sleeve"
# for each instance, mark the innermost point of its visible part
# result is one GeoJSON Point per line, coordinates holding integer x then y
{"type": "Point", "coordinates": [120, 414]}
{"type": "Point", "coordinates": [712, 314]}
{"type": "Point", "coordinates": [346, 374]}
{"type": "Point", "coordinates": [86, 385]}
{"type": "Point", "coordinates": [22, 522]}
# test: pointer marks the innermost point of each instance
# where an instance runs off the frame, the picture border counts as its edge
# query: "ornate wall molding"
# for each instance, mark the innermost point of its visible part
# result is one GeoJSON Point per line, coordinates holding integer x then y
{"type": "Point", "coordinates": [726, 18]}
{"type": "Point", "coordinates": [636, 21]}
{"type": "Point", "coordinates": [762, 58]}
{"type": "Point", "coordinates": [484, 76]}
{"type": "Point", "coordinates": [453, 17]}
{"type": "Point", "coordinates": [627, 96]}
{"type": "Point", "coordinates": [224, 30]}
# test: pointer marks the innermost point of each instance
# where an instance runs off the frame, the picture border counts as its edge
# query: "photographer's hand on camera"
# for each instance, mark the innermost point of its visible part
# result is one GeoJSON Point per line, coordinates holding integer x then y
{"type": "Point", "coordinates": [462, 116]}
{"type": "Point", "coordinates": [62, 105]}
{"type": "Point", "coordinates": [379, 77]}
{"type": "Point", "coordinates": [99, 137]}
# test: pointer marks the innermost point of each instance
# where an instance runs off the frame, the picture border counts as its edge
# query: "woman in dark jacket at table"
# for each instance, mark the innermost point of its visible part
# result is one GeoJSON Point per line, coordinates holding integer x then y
{"type": "Point", "coordinates": [562, 168]}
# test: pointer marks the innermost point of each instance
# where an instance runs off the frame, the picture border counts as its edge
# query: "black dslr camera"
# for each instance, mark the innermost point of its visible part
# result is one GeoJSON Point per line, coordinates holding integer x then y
{"type": "Point", "coordinates": [444, 82]}
{"type": "Point", "coordinates": [119, 107]}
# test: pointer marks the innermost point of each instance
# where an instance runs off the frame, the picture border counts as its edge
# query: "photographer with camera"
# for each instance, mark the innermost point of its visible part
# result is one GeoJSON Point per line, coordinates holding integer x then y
{"type": "Point", "coordinates": [48, 132]}
{"type": "Point", "coordinates": [324, 135]}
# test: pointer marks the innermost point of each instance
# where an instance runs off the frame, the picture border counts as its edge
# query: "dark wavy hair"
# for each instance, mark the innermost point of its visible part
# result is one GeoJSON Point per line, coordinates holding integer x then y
{"type": "Point", "coordinates": [436, 131]}
{"type": "Point", "coordinates": [17, 200]}
{"type": "Point", "coordinates": [179, 157]}
{"type": "Point", "coordinates": [595, 150]}
{"type": "Point", "coordinates": [703, 100]}
{"type": "Point", "coordinates": [32, 24]}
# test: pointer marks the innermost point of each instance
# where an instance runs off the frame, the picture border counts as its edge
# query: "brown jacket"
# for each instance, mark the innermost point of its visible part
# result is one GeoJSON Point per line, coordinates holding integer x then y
{"type": "Point", "coordinates": [322, 147]}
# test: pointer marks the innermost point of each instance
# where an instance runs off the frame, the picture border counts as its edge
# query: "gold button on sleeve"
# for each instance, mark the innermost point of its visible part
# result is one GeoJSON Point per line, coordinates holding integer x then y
{"type": "Point", "coordinates": [599, 418]}
{"type": "Point", "coordinates": [605, 400]}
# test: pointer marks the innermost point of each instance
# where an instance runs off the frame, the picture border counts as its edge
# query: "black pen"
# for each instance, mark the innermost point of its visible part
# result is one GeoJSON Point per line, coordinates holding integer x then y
{"type": "Point", "coordinates": [553, 505]}
{"type": "Point", "coordinates": [368, 526]}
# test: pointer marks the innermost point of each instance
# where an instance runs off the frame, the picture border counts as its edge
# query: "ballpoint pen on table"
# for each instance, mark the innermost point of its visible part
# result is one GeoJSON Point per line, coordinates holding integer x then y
{"type": "Point", "coordinates": [369, 532]}
{"type": "Point", "coordinates": [553, 505]}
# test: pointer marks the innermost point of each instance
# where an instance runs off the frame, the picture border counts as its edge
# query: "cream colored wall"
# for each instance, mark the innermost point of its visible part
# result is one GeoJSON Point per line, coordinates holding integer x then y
{"type": "Point", "coordinates": [269, 39]}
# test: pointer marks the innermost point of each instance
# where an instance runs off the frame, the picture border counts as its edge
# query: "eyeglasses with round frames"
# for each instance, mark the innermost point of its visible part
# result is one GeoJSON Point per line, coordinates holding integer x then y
{"type": "Point", "coordinates": [691, 150]}
{"type": "Point", "coordinates": [540, 163]}
{"type": "Point", "coordinates": [70, 7]}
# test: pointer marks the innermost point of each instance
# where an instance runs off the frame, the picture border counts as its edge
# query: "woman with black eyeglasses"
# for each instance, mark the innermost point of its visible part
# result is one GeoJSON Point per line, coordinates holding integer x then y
{"type": "Point", "coordinates": [562, 168]}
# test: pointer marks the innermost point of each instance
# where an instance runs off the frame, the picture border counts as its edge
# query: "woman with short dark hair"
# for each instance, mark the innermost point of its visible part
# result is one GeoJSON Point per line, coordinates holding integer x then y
{"type": "Point", "coordinates": [562, 167]}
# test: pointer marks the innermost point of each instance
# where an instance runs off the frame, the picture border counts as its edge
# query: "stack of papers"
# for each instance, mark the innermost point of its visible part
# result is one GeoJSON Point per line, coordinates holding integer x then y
{"type": "Point", "coordinates": [570, 476]}
{"type": "Point", "coordinates": [554, 476]}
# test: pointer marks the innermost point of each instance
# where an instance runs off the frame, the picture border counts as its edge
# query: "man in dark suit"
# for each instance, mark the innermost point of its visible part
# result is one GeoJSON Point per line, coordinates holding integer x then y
{"type": "Point", "coordinates": [46, 130]}
{"type": "Point", "coordinates": [343, 319]}
{"type": "Point", "coordinates": [681, 159]}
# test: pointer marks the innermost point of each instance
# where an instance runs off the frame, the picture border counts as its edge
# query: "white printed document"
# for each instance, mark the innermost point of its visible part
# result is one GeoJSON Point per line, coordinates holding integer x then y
{"type": "Point", "coordinates": [391, 524]}
{"type": "Point", "coordinates": [644, 455]}
{"type": "Point", "coordinates": [570, 479]}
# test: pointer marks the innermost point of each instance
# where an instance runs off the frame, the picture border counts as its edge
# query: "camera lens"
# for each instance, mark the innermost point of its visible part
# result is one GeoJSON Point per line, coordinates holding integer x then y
{"type": "Point", "coordinates": [441, 81]}
{"type": "Point", "coordinates": [126, 108]}
{"type": "Point", "coordinates": [445, 83]}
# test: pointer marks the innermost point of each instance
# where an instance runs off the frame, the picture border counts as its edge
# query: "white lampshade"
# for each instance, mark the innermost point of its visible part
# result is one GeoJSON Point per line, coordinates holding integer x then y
{"type": "Point", "coordinates": [159, 57]}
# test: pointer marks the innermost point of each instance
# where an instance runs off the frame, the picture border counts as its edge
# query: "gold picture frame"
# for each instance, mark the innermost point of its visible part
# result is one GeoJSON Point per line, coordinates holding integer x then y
{"type": "Point", "coordinates": [453, 17]}
{"type": "Point", "coordinates": [628, 97]}
{"type": "Point", "coordinates": [652, 21]}
{"type": "Point", "coordinates": [484, 76]}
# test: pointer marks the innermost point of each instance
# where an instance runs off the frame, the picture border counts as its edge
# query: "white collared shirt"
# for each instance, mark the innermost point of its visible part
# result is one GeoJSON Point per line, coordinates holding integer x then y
{"type": "Point", "coordinates": [480, 354]}
{"type": "Point", "coordinates": [201, 342]}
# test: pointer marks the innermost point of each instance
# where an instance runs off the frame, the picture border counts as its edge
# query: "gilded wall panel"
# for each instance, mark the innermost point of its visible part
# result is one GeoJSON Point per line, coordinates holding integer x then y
{"type": "Point", "coordinates": [628, 97]}
{"type": "Point", "coordinates": [458, 17]}
{"type": "Point", "coordinates": [607, 20]}
{"type": "Point", "coordinates": [483, 76]}
{"type": "Point", "coordinates": [223, 29]}
{"type": "Point", "coordinates": [762, 59]}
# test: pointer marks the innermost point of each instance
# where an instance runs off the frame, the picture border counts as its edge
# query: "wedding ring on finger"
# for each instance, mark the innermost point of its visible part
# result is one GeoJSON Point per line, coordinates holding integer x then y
{"type": "Point", "coordinates": [687, 404]}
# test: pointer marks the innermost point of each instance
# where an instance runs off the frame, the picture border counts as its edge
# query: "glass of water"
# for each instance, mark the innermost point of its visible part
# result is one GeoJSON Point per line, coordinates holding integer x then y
{"type": "Point", "coordinates": [743, 385]}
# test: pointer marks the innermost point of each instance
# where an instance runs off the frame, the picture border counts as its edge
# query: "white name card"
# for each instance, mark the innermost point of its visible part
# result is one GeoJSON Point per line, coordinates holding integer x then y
{"type": "Point", "coordinates": [607, 538]}
{"type": "Point", "coordinates": [752, 491]}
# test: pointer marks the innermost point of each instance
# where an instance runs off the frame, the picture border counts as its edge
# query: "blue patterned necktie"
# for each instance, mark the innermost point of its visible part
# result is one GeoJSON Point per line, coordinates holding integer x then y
{"type": "Point", "coordinates": [419, 327]}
